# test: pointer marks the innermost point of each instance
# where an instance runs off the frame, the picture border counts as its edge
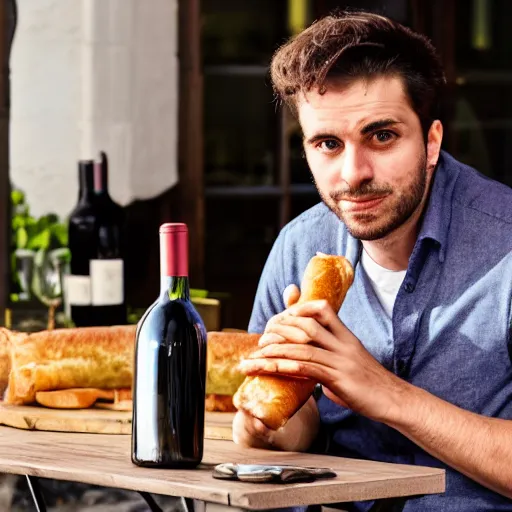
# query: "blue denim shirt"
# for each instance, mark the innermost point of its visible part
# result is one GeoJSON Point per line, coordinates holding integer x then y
{"type": "Point", "coordinates": [450, 332]}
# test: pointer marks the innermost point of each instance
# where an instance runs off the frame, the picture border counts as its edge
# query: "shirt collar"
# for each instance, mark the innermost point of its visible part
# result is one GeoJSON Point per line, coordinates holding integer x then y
{"type": "Point", "coordinates": [436, 221]}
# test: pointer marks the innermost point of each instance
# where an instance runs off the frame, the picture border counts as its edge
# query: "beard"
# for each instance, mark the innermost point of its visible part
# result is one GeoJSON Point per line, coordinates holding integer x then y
{"type": "Point", "coordinates": [396, 209]}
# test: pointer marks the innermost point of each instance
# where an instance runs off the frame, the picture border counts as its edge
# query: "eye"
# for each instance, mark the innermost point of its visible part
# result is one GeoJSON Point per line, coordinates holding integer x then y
{"type": "Point", "coordinates": [328, 145]}
{"type": "Point", "coordinates": [383, 136]}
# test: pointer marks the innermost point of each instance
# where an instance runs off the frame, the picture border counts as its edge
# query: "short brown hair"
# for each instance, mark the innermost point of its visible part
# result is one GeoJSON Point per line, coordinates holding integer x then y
{"type": "Point", "coordinates": [353, 45]}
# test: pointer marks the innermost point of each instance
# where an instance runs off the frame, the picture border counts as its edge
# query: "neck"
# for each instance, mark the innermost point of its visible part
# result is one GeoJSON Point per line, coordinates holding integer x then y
{"type": "Point", "coordinates": [86, 179]}
{"type": "Point", "coordinates": [174, 287]}
{"type": "Point", "coordinates": [86, 192]}
{"type": "Point", "coordinates": [391, 252]}
{"type": "Point", "coordinates": [100, 181]}
{"type": "Point", "coordinates": [394, 250]}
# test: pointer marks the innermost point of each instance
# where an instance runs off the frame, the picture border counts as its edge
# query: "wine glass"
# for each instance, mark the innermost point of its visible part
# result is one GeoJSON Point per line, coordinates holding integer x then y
{"type": "Point", "coordinates": [24, 271]}
{"type": "Point", "coordinates": [49, 271]}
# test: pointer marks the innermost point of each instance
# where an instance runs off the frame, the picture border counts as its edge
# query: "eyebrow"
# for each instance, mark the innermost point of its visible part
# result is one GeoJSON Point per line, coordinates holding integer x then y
{"type": "Point", "coordinates": [369, 128]}
{"type": "Point", "coordinates": [378, 125]}
{"type": "Point", "coordinates": [319, 136]}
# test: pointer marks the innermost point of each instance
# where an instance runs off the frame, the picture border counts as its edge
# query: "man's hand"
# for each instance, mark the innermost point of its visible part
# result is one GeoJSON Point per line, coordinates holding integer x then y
{"type": "Point", "coordinates": [296, 436]}
{"type": "Point", "coordinates": [300, 430]}
{"type": "Point", "coordinates": [309, 340]}
{"type": "Point", "coordinates": [251, 432]}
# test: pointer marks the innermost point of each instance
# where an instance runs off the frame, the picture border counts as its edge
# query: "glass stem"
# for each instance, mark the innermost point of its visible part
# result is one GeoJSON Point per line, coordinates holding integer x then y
{"type": "Point", "coordinates": [51, 317]}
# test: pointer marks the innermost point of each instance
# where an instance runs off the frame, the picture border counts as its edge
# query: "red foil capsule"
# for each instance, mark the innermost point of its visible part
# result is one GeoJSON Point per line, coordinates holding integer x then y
{"type": "Point", "coordinates": [174, 250]}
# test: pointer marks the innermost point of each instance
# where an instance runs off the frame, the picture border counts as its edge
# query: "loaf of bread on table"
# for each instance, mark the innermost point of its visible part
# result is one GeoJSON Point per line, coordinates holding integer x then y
{"type": "Point", "coordinates": [59, 368]}
{"type": "Point", "coordinates": [275, 399]}
{"type": "Point", "coordinates": [89, 357]}
{"type": "Point", "coordinates": [223, 378]}
{"type": "Point", "coordinates": [225, 351]}
{"type": "Point", "coordinates": [219, 403]}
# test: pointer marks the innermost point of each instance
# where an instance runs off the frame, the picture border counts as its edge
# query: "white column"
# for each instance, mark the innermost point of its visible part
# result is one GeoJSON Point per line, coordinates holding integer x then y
{"type": "Point", "coordinates": [91, 75]}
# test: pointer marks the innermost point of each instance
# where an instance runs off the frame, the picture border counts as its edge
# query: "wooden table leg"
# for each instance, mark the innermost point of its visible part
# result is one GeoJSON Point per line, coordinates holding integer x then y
{"type": "Point", "coordinates": [37, 495]}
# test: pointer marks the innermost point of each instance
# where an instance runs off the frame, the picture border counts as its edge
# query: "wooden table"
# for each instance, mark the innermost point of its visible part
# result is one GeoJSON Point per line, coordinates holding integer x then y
{"type": "Point", "coordinates": [105, 460]}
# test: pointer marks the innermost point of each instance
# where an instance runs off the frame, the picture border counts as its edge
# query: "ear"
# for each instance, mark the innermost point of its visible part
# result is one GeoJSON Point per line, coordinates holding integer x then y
{"type": "Point", "coordinates": [434, 140]}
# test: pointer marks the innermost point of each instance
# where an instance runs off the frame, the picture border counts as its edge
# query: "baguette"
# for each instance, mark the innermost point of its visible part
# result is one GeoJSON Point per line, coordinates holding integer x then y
{"type": "Point", "coordinates": [219, 403]}
{"type": "Point", "coordinates": [64, 360]}
{"type": "Point", "coordinates": [275, 399]}
{"type": "Point", "coordinates": [90, 357]}
{"type": "Point", "coordinates": [225, 351]}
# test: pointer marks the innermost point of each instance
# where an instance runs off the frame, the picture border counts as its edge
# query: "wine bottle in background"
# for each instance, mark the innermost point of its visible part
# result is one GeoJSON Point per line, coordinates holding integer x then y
{"type": "Point", "coordinates": [82, 246]}
{"type": "Point", "coordinates": [107, 267]}
{"type": "Point", "coordinates": [95, 288]}
{"type": "Point", "coordinates": [170, 367]}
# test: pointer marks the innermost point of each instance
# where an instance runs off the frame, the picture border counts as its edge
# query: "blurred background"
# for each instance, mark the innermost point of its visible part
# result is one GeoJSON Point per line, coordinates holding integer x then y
{"type": "Point", "coordinates": [177, 93]}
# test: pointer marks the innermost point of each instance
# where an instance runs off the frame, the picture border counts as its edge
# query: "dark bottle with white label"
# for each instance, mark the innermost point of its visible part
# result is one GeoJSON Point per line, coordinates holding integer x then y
{"type": "Point", "coordinates": [170, 367]}
{"type": "Point", "coordinates": [95, 288]}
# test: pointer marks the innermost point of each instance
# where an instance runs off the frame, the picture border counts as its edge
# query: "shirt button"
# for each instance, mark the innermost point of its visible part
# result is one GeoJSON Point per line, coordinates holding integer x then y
{"type": "Point", "coordinates": [409, 287]}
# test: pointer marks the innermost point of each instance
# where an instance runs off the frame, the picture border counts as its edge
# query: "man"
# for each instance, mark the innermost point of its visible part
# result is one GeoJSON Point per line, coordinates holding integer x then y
{"type": "Point", "coordinates": [416, 368]}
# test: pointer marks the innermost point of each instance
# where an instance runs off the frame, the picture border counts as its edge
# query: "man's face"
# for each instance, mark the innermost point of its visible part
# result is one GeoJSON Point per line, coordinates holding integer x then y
{"type": "Point", "coordinates": [366, 151]}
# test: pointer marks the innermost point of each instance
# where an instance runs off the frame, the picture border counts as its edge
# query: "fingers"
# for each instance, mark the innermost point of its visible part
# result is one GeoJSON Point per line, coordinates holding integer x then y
{"type": "Point", "coordinates": [297, 329]}
{"type": "Point", "coordinates": [296, 353]}
{"type": "Point", "coordinates": [251, 432]}
{"type": "Point", "coordinates": [291, 295]}
{"type": "Point", "coordinates": [291, 368]}
{"type": "Point", "coordinates": [322, 312]}
{"type": "Point", "coordinates": [283, 333]}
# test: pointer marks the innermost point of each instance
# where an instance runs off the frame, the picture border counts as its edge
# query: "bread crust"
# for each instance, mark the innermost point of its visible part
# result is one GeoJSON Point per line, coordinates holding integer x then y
{"type": "Point", "coordinates": [225, 351]}
{"type": "Point", "coordinates": [275, 399]}
{"type": "Point", "coordinates": [89, 357]}
{"type": "Point", "coordinates": [219, 403]}
{"type": "Point", "coordinates": [83, 398]}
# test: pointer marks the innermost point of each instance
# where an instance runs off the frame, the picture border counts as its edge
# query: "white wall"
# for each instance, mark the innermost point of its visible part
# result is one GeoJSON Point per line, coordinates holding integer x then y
{"type": "Point", "coordinates": [88, 75]}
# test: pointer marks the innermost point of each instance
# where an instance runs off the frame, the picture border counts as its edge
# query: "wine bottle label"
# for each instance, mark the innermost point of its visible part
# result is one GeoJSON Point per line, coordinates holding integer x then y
{"type": "Point", "coordinates": [78, 290]}
{"type": "Point", "coordinates": [107, 287]}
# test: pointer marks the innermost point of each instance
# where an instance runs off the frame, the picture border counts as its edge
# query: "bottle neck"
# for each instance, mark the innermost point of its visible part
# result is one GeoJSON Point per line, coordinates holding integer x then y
{"type": "Point", "coordinates": [101, 177]}
{"type": "Point", "coordinates": [174, 264]}
{"type": "Point", "coordinates": [174, 287]}
{"type": "Point", "coordinates": [174, 254]}
{"type": "Point", "coordinates": [86, 181]}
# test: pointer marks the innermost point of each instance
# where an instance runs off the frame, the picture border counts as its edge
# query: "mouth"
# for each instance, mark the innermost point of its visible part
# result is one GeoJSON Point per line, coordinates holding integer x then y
{"type": "Point", "coordinates": [361, 203]}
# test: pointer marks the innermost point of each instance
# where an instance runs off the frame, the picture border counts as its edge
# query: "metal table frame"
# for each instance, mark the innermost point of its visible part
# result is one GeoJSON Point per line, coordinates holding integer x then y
{"type": "Point", "coordinates": [383, 505]}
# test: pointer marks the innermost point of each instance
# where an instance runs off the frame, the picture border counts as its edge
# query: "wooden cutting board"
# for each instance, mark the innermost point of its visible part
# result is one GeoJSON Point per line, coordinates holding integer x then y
{"type": "Point", "coordinates": [97, 421]}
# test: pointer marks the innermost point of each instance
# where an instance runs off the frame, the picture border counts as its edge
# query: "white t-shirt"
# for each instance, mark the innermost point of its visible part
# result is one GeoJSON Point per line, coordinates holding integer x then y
{"type": "Point", "coordinates": [386, 283]}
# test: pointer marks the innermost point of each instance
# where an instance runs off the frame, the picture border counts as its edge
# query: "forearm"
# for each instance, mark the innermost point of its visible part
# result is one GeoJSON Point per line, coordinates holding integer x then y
{"type": "Point", "coordinates": [477, 446]}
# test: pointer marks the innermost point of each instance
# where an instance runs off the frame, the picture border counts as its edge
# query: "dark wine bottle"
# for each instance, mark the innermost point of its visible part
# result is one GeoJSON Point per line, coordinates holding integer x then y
{"type": "Point", "coordinates": [95, 288]}
{"type": "Point", "coordinates": [170, 367]}
{"type": "Point", "coordinates": [107, 268]}
{"type": "Point", "coordinates": [82, 245]}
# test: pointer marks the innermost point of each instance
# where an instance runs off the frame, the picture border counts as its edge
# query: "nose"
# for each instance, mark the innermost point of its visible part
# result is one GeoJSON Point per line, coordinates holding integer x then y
{"type": "Point", "coordinates": [355, 166]}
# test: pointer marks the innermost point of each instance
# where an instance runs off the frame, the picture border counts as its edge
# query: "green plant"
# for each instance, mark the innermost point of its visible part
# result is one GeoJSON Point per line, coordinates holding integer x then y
{"type": "Point", "coordinates": [44, 237]}
{"type": "Point", "coordinates": [46, 232]}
